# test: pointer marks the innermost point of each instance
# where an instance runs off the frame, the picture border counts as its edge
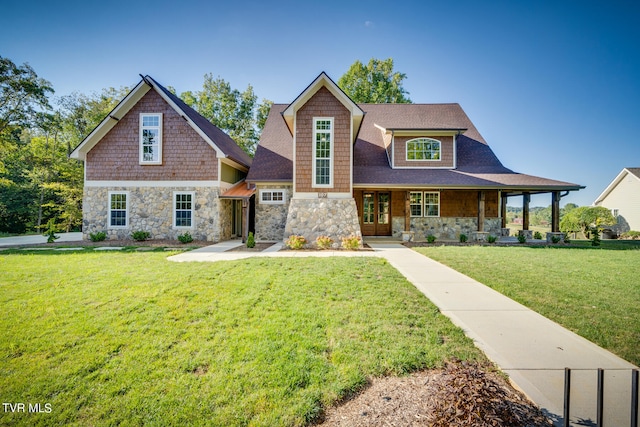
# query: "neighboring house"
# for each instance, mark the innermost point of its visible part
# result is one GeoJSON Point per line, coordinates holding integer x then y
{"type": "Point", "coordinates": [155, 164]}
{"type": "Point", "coordinates": [622, 197]}
{"type": "Point", "coordinates": [328, 166]}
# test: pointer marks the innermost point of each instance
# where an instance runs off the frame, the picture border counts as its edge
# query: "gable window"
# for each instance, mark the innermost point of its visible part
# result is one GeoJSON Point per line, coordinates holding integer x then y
{"type": "Point", "coordinates": [431, 204]}
{"type": "Point", "coordinates": [272, 197]}
{"type": "Point", "coordinates": [183, 210]}
{"type": "Point", "coordinates": [151, 139]}
{"type": "Point", "coordinates": [415, 203]}
{"type": "Point", "coordinates": [423, 149]}
{"type": "Point", "coordinates": [322, 151]}
{"type": "Point", "coordinates": [118, 210]}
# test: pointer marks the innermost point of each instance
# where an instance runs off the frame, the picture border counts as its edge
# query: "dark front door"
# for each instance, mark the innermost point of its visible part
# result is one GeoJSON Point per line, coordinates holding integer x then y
{"type": "Point", "coordinates": [376, 213]}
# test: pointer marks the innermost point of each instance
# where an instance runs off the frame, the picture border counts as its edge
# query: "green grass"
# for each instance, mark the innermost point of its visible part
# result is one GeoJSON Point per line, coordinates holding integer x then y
{"type": "Point", "coordinates": [130, 338]}
{"type": "Point", "coordinates": [593, 292]}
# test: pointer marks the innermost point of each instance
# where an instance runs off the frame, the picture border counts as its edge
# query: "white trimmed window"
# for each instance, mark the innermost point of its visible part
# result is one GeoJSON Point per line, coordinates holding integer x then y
{"type": "Point", "coordinates": [151, 139]}
{"type": "Point", "coordinates": [118, 210]}
{"type": "Point", "coordinates": [183, 209]}
{"type": "Point", "coordinates": [322, 151]}
{"type": "Point", "coordinates": [415, 203]}
{"type": "Point", "coordinates": [272, 197]}
{"type": "Point", "coordinates": [431, 204]}
{"type": "Point", "coordinates": [421, 149]}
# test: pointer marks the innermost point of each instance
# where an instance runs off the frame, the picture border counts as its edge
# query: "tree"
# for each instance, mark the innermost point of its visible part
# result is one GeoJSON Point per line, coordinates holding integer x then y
{"type": "Point", "coordinates": [22, 96]}
{"type": "Point", "coordinates": [585, 219]}
{"type": "Point", "coordinates": [375, 83]}
{"type": "Point", "coordinates": [237, 113]}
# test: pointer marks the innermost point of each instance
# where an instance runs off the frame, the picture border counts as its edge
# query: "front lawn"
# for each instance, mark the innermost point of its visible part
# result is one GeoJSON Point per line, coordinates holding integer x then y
{"type": "Point", "coordinates": [130, 338]}
{"type": "Point", "coordinates": [595, 292]}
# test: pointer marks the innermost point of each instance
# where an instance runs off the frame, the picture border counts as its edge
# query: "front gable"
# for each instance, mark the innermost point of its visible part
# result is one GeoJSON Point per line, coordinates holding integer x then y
{"type": "Point", "coordinates": [184, 154]}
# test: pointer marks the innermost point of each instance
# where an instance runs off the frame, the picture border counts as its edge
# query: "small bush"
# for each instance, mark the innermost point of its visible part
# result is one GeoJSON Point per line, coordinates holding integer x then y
{"type": "Point", "coordinates": [50, 234]}
{"type": "Point", "coordinates": [351, 243]}
{"type": "Point", "coordinates": [631, 235]}
{"type": "Point", "coordinates": [537, 235]}
{"type": "Point", "coordinates": [595, 236]}
{"type": "Point", "coordinates": [567, 239]}
{"type": "Point", "coordinates": [185, 237]}
{"type": "Point", "coordinates": [98, 236]}
{"type": "Point", "coordinates": [295, 242]}
{"type": "Point", "coordinates": [324, 242]}
{"type": "Point", "coordinates": [251, 241]}
{"type": "Point", "coordinates": [522, 238]}
{"type": "Point", "coordinates": [431, 238]}
{"type": "Point", "coordinates": [491, 239]}
{"type": "Point", "coordinates": [463, 238]}
{"type": "Point", "coordinates": [140, 235]}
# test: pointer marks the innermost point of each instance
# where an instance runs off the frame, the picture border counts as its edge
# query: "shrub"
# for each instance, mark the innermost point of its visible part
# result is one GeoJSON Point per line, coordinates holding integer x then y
{"type": "Point", "coordinates": [324, 242]}
{"type": "Point", "coordinates": [295, 242]}
{"type": "Point", "coordinates": [98, 236]}
{"type": "Point", "coordinates": [631, 235]}
{"type": "Point", "coordinates": [351, 243]}
{"type": "Point", "coordinates": [537, 235]}
{"type": "Point", "coordinates": [463, 238]}
{"type": "Point", "coordinates": [140, 235]}
{"type": "Point", "coordinates": [522, 238]}
{"type": "Point", "coordinates": [567, 239]}
{"type": "Point", "coordinates": [185, 237]}
{"type": "Point", "coordinates": [431, 238]}
{"type": "Point", "coordinates": [595, 236]}
{"type": "Point", "coordinates": [251, 241]}
{"type": "Point", "coordinates": [491, 239]}
{"type": "Point", "coordinates": [555, 239]}
{"type": "Point", "coordinates": [51, 231]}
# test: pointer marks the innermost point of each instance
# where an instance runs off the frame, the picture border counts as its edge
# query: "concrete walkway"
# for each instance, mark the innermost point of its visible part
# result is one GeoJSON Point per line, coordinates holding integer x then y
{"type": "Point", "coordinates": [530, 348]}
{"type": "Point", "coordinates": [38, 238]}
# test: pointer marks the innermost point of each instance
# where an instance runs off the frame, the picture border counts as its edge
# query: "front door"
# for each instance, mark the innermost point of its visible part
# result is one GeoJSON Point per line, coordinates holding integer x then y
{"type": "Point", "coordinates": [376, 213]}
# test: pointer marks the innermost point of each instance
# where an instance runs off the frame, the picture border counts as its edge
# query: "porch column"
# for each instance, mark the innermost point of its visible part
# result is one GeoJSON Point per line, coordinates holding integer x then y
{"type": "Point", "coordinates": [481, 213]}
{"type": "Point", "coordinates": [526, 199]}
{"type": "Point", "coordinates": [245, 219]}
{"type": "Point", "coordinates": [503, 210]}
{"type": "Point", "coordinates": [407, 211]}
{"type": "Point", "coordinates": [555, 212]}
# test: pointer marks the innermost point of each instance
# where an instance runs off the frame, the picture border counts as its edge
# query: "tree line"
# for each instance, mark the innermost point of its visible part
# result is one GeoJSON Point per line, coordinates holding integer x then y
{"type": "Point", "coordinates": [40, 187]}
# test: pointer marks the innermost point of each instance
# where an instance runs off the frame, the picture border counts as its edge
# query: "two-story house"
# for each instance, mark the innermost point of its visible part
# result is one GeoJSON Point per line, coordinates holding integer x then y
{"type": "Point", "coordinates": [328, 166]}
{"type": "Point", "coordinates": [154, 164]}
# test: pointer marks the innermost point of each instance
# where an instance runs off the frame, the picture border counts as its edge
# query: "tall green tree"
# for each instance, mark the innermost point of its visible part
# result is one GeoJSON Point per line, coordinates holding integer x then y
{"type": "Point", "coordinates": [23, 95]}
{"type": "Point", "coordinates": [586, 218]}
{"type": "Point", "coordinates": [375, 83]}
{"type": "Point", "coordinates": [237, 113]}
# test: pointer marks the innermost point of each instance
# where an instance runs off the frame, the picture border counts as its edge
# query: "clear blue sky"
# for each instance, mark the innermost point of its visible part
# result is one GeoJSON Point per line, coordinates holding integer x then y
{"type": "Point", "coordinates": [553, 86]}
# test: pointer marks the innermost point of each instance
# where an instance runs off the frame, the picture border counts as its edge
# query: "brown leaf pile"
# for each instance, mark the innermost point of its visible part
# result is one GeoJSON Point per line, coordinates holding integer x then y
{"type": "Point", "coordinates": [461, 394]}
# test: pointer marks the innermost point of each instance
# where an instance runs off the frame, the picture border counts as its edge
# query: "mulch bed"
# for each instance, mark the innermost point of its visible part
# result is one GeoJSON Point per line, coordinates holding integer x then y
{"type": "Point", "coordinates": [154, 243]}
{"type": "Point", "coordinates": [461, 394]}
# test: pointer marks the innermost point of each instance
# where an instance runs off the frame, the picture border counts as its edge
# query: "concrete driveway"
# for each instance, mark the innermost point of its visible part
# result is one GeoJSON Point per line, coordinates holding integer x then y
{"type": "Point", "coordinates": [38, 238]}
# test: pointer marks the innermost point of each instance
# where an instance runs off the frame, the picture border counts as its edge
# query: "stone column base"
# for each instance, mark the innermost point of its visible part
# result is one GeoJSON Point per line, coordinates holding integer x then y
{"type": "Point", "coordinates": [526, 233]}
{"type": "Point", "coordinates": [480, 236]}
{"type": "Point", "coordinates": [551, 235]}
{"type": "Point", "coordinates": [408, 236]}
{"type": "Point", "coordinates": [504, 232]}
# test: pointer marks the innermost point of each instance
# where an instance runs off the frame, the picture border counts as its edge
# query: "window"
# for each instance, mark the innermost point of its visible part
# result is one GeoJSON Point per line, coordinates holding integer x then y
{"type": "Point", "coordinates": [322, 151]}
{"type": "Point", "coordinates": [183, 210]}
{"type": "Point", "coordinates": [151, 138]}
{"type": "Point", "coordinates": [423, 149]}
{"type": "Point", "coordinates": [118, 212]}
{"type": "Point", "coordinates": [367, 211]}
{"type": "Point", "coordinates": [383, 208]}
{"type": "Point", "coordinates": [415, 203]}
{"type": "Point", "coordinates": [431, 204]}
{"type": "Point", "coordinates": [272, 197]}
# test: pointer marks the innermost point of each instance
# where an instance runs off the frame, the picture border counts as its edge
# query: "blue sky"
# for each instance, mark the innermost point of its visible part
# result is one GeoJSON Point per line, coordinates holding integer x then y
{"type": "Point", "coordinates": [553, 86]}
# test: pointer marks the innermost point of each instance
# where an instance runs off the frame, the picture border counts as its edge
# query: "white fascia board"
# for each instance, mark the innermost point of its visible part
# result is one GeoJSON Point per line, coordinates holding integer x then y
{"type": "Point", "coordinates": [119, 111]}
{"type": "Point", "coordinates": [163, 184]}
{"type": "Point", "coordinates": [611, 186]}
{"type": "Point", "coordinates": [234, 164]}
{"type": "Point", "coordinates": [195, 127]}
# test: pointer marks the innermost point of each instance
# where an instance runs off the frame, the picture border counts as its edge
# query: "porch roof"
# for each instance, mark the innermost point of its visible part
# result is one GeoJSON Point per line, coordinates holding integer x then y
{"type": "Point", "coordinates": [239, 191]}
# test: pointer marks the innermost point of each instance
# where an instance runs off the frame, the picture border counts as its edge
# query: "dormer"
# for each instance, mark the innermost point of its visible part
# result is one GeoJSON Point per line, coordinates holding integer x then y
{"type": "Point", "coordinates": [421, 148]}
{"type": "Point", "coordinates": [324, 123]}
